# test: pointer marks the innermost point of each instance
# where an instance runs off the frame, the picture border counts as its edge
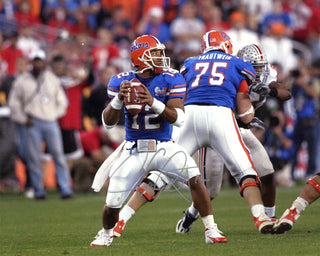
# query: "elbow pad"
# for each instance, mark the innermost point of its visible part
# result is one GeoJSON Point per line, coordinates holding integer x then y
{"type": "Point", "coordinates": [180, 117]}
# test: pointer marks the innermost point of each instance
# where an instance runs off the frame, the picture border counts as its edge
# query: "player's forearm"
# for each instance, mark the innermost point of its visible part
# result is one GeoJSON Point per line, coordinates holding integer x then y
{"type": "Point", "coordinates": [279, 91]}
{"type": "Point", "coordinates": [245, 109]}
{"type": "Point", "coordinates": [174, 116]}
{"type": "Point", "coordinates": [110, 116]}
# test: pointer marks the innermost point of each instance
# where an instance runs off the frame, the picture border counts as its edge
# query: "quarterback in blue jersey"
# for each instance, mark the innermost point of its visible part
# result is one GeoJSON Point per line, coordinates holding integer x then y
{"type": "Point", "coordinates": [148, 145]}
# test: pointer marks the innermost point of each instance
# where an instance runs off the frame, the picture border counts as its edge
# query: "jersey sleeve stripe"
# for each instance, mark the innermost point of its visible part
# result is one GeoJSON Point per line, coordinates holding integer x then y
{"type": "Point", "coordinates": [113, 89]}
{"type": "Point", "coordinates": [112, 94]}
{"type": "Point", "coordinates": [178, 90]}
{"type": "Point", "coordinates": [177, 94]}
{"type": "Point", "coordinates": [179, 85]}
{"type": "Point", "coordinates": [249, 74]}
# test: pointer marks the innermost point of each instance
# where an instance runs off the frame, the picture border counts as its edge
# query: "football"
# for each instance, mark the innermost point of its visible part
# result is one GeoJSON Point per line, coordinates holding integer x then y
{"type": "Point", "coordinates": [131, 100]}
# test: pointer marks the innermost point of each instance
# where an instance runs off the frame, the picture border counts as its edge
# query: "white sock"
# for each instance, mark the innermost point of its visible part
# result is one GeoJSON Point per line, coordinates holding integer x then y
{"type": "Point", "coordinates": [126, 213]}
{"type": "Point", "coordinates": [270, 211]}
{"type": "Point", "coordinates": [208, 221]}
{"type": "Point", "coordinates": [300, 204]}
{"type": "Point", "coordinates": [257, 210]}
{"type": "Point", "coordinates": [193, 211]}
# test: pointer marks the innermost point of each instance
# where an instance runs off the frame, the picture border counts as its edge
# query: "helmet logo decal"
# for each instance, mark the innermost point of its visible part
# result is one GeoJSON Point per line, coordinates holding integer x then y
{"type": "Point", "coordinates": [224, 35]}
{"type": "Point", "coordinates": [138, 46]}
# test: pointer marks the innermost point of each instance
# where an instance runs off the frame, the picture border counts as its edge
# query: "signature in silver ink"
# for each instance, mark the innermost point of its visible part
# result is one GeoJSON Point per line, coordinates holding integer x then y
{"type": "Point", "coordinates": [175, 177]}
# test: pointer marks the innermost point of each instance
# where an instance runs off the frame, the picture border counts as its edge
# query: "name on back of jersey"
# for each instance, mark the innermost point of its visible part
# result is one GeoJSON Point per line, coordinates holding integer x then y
{"type": "Point", "coordinates": [215, 55]}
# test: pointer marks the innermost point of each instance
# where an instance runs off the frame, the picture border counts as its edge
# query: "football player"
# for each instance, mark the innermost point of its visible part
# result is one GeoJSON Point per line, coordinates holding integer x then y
{"type": "Point", "coordinates": [148, 143]}
{"type": "Point", "coordinates": [218, 77]}
{"type": "Point", "coordinates": [211, 164]}
{"type": "Point", "coordinates": [309, 194]}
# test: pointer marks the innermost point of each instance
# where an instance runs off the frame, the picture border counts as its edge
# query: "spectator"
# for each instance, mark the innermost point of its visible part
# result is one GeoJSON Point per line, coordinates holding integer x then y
{"type": "Point", "coordinates": [98, 98]}
{"type": "Point", "coordinates": [27, 41]}
{"type": "Point", "coordinates": [186, 31]}
{"type": "Point", "coordinates": [11, 53]}
{"type": "Point", "coordinates": [22, 65]}
{"type": "Point", "coordinates": [91, 9]}
{"type": "Point", "coordinates": [277, 16]}
{"type": "Point", "coordinates": [279, 48]}
{"type": "Point", "coordinates": [7, 9]}
{"type": "Point", "coordinates": [8, 179]}
{"type": "Point", "coordinates": [280, 147]}
{"type": "Point", "coordinates": [212, 17]}
{"type": "Point", "coordinates": [256, 7]}
{"type": "Point", "coordinates": [314, 29]}
{"type": "Point", "coordinates": [37, 100]}
{"type": "Point", "coordinates": [69, 5]}
{"type": "Point", "coordinates": [300, 14]}
{"type": "Point", "coordinates": [305, 97]}
{"type": "Point", "coordinates": [132, 9]}
{"type": "Point", "coordinates": [97, 146]}
{"type": "Point", "coordinates": [105, 52]}
{"type": "Point", "coordinates": [59, 21]}
{"type": "Point", "coordinates": [71, 122]}
{"type": "Point", "coordinates": [153, 24]}
{"type": "Point", "coordinates": [120, 26]}
{"type": "Point", "coordinates": [239, 34]}
{"type": "Point", "coordinates": [24, 13]}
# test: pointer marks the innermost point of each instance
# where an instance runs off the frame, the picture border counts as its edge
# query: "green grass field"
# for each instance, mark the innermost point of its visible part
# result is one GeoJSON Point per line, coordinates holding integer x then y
{"type": "Point", "coordinates": [57, 227]}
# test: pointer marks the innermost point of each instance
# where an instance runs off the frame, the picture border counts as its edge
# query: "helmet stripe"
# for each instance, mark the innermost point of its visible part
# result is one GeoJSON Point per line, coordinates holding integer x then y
{"type": "Point", "coordinates": [259, 51]}
{"type": "Point", "coordinates": [207, 40]}
{"type": "Point", "coordinates": [156, 39]}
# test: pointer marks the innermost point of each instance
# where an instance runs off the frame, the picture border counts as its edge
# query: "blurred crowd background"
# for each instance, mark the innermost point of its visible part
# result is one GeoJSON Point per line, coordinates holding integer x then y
{"type": "Point", "coordinates": [90, 39]}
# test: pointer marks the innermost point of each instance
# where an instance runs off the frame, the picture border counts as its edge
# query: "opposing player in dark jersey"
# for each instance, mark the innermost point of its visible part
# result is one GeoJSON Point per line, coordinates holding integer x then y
{"type": "Point", "coordinates": [148, 144]}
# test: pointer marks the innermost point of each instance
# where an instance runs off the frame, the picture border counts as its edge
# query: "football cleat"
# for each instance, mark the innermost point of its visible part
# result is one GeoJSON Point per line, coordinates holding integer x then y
{"type": "Point", "coordinates": [102, 239]}
{"type": "Point", "coordinates": [214, 235]}
{"type": "Point", "coordinates": [99, 233]}
{"type": "Point", "coordinates": [184, 224]}
{"type": "Point", "coordinates": [117, 230]}
{"type": "Point", "coordinates": [286, 221]}
{"type": "Point", "coordinates": [264, 223]}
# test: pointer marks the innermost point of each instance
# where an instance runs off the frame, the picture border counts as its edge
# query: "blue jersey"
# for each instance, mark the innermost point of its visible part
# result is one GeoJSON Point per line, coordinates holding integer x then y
{"type": "Point", "coordinates": [214, 78]}
{"type": "Point", "coordinates": [147, 124]}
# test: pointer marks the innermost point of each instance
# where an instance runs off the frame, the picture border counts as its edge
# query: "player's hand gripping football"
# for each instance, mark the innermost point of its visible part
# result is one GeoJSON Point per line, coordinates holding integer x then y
{"type": "Point", "coordinates": [145, 96]}
{"type": "Point", "coordinates": [124, 89]}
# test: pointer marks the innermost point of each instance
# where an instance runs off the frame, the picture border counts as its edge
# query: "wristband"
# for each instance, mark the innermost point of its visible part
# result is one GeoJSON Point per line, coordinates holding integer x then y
{"type": "Point", "coordinates": [157, 106]}
{"type": "Point", "coordinates": [273, 92]}
{"type": "Point", "coordinates": [180, 117]}
{"type": "Point", "coordinates": [116, 103]}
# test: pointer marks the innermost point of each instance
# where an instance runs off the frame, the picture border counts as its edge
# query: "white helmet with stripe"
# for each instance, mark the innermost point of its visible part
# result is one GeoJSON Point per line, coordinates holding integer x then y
{"type": "Point", "coordinates": [255, 55]}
